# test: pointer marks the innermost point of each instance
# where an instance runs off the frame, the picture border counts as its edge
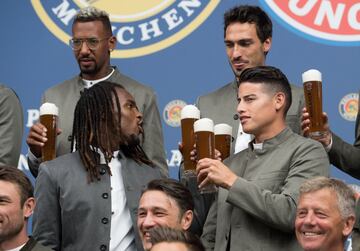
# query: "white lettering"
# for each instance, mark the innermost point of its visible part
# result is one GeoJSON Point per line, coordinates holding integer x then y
{"type": "Point", "coordinates": [352, 17]}
{"type": "Point", "coordinates": [23, 164]}
{"type": "Point", "coordinates": [154, 27]}
{"type": "Point", "coordinates": [62, 11]}
{"type": "Point", "coordinates": [172, 19]}
{"type": "Point", "coordinates": [326, 10]}
{"type": "Point", "coordinates": [33, 116]}
{"type": "Point", "coordinates": [293, 6]}
{"type": "Point", "coordinates": [120, 36]}
{"type": "Point", "coordinates": [176, 158]}
{"type": "Point", "coordinates": [186, 4]}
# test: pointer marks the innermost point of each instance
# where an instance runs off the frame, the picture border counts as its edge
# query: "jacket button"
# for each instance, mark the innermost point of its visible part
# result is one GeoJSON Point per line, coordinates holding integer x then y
{"type": "Point", "coordinates": [102, 171]}
{"type": "Point", "coordinates": [105, 220]}
{"type": "Point", "coordinates": [105, 195]}
{"type": "Point", "coordinates": [103, 247]}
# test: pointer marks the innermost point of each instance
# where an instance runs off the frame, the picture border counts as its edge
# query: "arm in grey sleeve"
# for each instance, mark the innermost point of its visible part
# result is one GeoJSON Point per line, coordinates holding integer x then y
{"type": "Point", "coordinates": [153, 144]}
{"type": "Point", "coordinates": [47, 219]}
{"type": "Point", "coordinates": [11, 127]}
{"type": "Point", "coordinates": [278, 209]}
{"type": "Point", "coordinates": [346, 156]}
{"type": "Point", "coordinates": [209, 232]}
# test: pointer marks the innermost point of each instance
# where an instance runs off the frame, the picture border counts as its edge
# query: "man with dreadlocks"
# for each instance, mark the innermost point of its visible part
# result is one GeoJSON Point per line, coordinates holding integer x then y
{"type": "Point", "coordinates": [87, 200]}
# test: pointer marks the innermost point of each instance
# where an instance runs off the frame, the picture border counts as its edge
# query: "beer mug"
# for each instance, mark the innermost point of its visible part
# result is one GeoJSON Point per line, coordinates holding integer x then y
{"type": "Point", "coordinates": [205, 144]}
{"type": "Point", "coordinates": [313, 98]}
{"type": "Point", "coordinates": [189, 114]}
{"type": "Point", "coordinates": [48, 117]}
{"type": "Point", "coordinates": [223, 136]}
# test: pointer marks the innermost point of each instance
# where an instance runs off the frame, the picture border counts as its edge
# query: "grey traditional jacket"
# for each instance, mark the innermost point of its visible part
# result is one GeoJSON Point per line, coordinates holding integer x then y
{"type": "Point", "coordinates": [73, 214]}
{"type": "Point", "coordinates": [11, 127]}
{"type": "Point", "coordinates": [258, 211]}
{"type": "Point", "coordinates": [67, 94]}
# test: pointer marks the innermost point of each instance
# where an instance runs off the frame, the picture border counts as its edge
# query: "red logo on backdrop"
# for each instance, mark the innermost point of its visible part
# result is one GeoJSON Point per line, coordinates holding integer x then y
{"type": "Point", "coordinates": [331, 21]}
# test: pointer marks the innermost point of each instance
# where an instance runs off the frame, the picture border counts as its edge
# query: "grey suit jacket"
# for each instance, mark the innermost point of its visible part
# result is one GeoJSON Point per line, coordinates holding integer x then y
{"type": "Point", "coordinates": [221, 105]}
{"type": "Point", "coordinates": [258, 212]}
{"type": "Point", "coordinates": [346, 156]}
{"type": "Point", "coordinates": [11, 127]}
{"type": "Point", "coordinates": [74, 214]}
{"type": "Point", "coordinates": [66, 95]}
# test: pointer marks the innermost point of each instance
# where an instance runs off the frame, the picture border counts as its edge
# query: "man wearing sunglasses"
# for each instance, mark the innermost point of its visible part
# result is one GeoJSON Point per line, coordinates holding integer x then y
{"type": "Point", "coordinates": [92, 43]}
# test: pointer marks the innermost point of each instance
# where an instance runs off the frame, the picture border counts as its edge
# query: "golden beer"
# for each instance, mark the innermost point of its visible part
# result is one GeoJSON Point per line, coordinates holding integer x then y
{"type": "Point", "coordinates": [312, 81]}
{"type": "Point", "coordinates": [48, 118]}
{"type": "Point", "coordinates": [223, 136]}
{"type": "Point", "coordinates": [189, 114]}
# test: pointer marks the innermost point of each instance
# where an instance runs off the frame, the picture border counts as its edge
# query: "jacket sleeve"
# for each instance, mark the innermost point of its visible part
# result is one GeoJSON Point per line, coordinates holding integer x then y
{"type": "Point", "coordinates": [47, 219]}
{"type": "Point", "coordinates": [153, 144]}
{"type": "Point", "coordinates": [346, 156]}
{"type": "Point", "coordinates": [11, 127]}
{"type": "Point", "coordinates": [209, 231]}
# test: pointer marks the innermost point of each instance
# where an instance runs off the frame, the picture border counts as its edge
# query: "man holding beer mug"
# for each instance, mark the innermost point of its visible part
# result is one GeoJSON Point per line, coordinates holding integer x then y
{"type": "Point", "coordinates": [259, 187]}
{"type": "Point", "coordinates": [88, 199]}
{"type": "Point", "coordinates": [92, 43]}
{"type": "Point", "coordinates": [342, 155]}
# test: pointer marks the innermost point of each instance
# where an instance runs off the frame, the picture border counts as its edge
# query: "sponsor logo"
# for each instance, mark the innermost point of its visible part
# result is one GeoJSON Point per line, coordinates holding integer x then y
{"type": "Point", "coordinates": [335, 22]}
{"type": "Point", "coordinates": [348, 106]}
{"type": "Point", "coordinates": [172, 112]}
{"type": "Point", "coordinates": [141, 27]}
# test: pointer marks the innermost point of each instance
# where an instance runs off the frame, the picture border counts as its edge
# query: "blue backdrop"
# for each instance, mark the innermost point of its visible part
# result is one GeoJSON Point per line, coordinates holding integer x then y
{"type": "Point", "coordinates": [185, 56]}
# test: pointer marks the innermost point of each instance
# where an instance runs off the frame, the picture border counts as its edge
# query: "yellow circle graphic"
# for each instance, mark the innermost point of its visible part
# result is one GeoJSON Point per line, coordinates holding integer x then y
{"type": "Point", "coordinates": [136, 10]}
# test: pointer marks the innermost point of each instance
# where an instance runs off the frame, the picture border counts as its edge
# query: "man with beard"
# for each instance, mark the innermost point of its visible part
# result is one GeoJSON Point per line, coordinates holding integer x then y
{"type": "Point", "coordinates": [248, 39]}
{"type": "Point", "coordinates": [88, 199]}
{"type": "Point", "coordinates": [16, 206]}
{"type": "Point", "coordinates": [92, 43]}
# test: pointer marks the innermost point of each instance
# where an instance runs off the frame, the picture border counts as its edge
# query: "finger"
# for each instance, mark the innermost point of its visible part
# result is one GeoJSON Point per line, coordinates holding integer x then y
{"type": "Point", "coordinates": [31, 142]}
{"type": "Point", "coordinates": [39, 129]}
{"type": "Point", "coordinates": [58, 131]}
{"type": "Point", "coordinates": [204, 181]}
{"type": "Point", "coordinates": [36, 137]}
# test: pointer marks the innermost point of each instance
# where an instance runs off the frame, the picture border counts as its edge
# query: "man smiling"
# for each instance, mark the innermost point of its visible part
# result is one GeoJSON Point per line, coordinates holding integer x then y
{"type": "Point", "coordinates": [325, 214]}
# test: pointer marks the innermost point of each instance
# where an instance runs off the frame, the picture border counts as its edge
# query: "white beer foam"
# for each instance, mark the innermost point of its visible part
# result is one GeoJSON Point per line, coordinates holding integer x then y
{"type": "Point", "coordinates": [204, 124]}
{"type": "Point", "coordinates": [311, 75]}
{"type": "Point", "coordinates": [190, 112]}
{"type": "Point", "coordinates": [49, 108]}
{"type": "Point", "coordinates": [222, 129]}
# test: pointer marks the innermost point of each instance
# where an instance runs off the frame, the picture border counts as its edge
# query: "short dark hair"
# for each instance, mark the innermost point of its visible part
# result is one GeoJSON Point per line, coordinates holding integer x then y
{"type": "Point", "coordinates": [250, 14]}
{"type": "Point", "coordinates": [89, 14]}
{"type": "Point", "coordinates": [166, 234]}
{"type": "Point", "coordinates": [17, 177]}
{"type": "Point", "coordinates": [272, 78]}
{"type": "Point", "coordinates": [175, 190]}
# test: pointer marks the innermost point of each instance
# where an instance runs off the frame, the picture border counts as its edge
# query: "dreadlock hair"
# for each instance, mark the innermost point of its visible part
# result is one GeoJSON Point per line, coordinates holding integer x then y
{"type": "Point", "coordinates": [97, 118]}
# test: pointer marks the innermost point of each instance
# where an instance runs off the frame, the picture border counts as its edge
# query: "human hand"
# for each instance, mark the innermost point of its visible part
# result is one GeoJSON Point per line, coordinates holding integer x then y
{"type": "Point", "coordinates": [214, 171]}
{"type": "Point", "coordinates": [305, 128]}
{"type": "Point", "coordinates": [37, 137]}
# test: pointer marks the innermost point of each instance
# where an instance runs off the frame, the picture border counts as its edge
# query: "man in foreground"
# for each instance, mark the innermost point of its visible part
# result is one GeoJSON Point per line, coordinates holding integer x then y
{"type": "Point", "coordinates": [325, 214]}
{"type": "Point", "coordinates": [164, 202]}
{"type": "Point", "coordinates": [88, 199]}
{"type": "Point", "coordinates": [16, 206]}
{"type": "Point", "coordinates": [259, 187]}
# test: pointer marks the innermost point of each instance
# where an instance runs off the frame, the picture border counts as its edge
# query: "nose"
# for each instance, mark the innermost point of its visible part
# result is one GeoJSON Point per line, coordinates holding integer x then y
{"type": "Point", "coordinates": [148, 221]}
{"type": "Point", "coordinates": [240, 107]}
{"type": "Point", "coordinates": [309, 219]}
{"type": "Point", "coordinates": [84, 49]}
{"type": "Point", "coordinates": [236, 51]}
{"type": "Point", "coordinates": [139, 116]}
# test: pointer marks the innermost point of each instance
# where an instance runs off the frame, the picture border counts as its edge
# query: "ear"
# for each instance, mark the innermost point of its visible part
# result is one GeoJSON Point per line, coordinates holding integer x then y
{"type": "Point", "coordinates": [267, 44]}
{"type": "Point", "coordinates": [112, 43]}
{"type": "Point", "coordinates": [28, 207]}
{"type": "Point", "coordinates": [348, 225]}
{"type": "Point", "coordinates": [187, 219]}
{"type": "Point", "coordinates": [279, 100]}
